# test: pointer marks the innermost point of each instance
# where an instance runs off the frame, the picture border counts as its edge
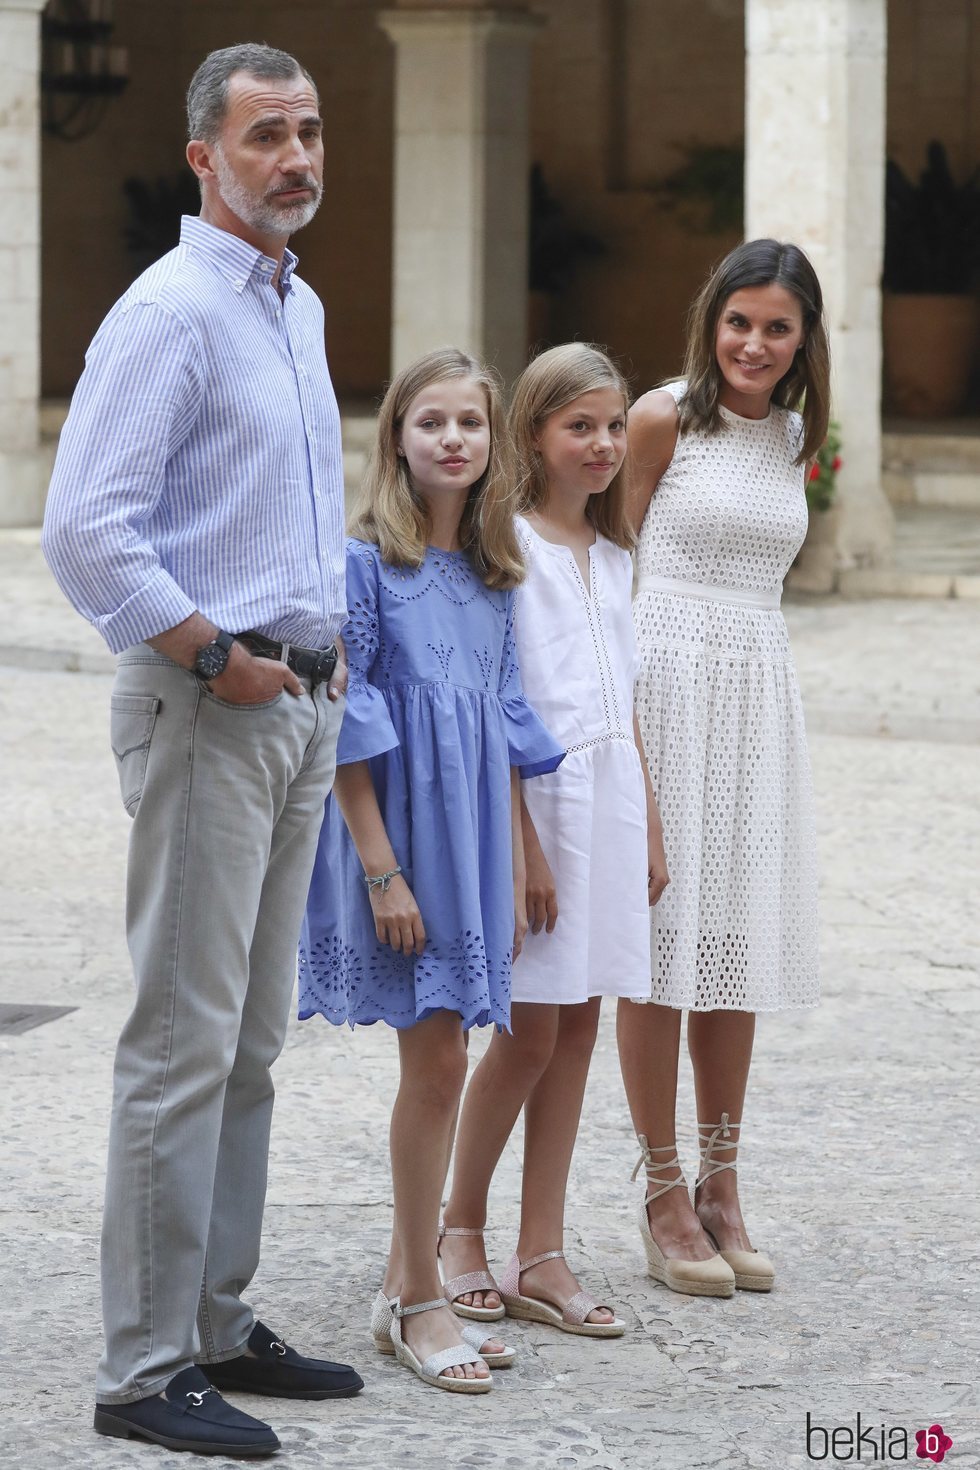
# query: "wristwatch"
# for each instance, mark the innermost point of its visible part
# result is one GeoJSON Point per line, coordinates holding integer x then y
{"type": "Point", "coordinates": [212, 659]}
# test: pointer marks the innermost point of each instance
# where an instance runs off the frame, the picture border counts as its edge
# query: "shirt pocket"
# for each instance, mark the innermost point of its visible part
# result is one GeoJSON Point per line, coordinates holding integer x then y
{"type": "Point", "coordinates": [131, 721]}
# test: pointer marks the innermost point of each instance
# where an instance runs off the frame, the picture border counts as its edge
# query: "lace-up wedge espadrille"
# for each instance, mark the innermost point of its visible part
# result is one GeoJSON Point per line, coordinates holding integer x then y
{"type": "Point", "coordinates": [753, 1271]}
{"type": "Point", "coordinates": [713, 1277]}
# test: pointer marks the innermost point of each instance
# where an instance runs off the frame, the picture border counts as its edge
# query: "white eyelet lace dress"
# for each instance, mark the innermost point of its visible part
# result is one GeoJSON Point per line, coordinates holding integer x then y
{"type": "Point", "coordinates": [722, 721]}
{"type": "Point", "coordinates": [577, 654]}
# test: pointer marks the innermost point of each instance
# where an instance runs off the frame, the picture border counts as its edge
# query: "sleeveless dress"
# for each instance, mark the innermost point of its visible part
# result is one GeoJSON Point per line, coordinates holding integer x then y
{"type": "Point", "coordinates": [435, 705]}
{"type": "Point", "coordinates": [577, 654]}
{"type": "Point", "coordinates": [722, 721]}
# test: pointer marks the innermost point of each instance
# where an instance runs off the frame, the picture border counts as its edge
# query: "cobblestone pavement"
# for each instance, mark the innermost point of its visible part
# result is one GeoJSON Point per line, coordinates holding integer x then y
{"type": "Point", "coordinates": [858, 1170]}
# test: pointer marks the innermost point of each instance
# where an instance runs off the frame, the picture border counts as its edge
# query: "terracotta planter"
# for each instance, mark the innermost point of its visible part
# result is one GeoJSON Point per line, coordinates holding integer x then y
{"type": "Point", "coordinates": [929, 345]}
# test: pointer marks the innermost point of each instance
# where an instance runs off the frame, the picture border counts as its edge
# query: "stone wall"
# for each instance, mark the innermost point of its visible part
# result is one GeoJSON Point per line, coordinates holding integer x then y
{"type": "Point", "coordinates": [346, 252]}
{"type": "Point", "coordinates": [934, 81]}
{"type": "Point", "coordinates": [616, 88]}
{"type": "Point", "coordinates": [616, 85]}
{"type": "Point", "coordinates": [606, 115]}
{"type": "Point", "coordinates": [84, 263]}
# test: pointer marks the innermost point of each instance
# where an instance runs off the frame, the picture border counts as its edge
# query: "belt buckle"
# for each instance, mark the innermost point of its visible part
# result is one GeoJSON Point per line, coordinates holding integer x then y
{"type": "Point", "coordinates": [325, 666]}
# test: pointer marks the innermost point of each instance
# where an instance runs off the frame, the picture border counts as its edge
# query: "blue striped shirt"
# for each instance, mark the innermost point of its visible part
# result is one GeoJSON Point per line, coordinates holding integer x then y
{"type": "Point", "coordinates": [200, 465]}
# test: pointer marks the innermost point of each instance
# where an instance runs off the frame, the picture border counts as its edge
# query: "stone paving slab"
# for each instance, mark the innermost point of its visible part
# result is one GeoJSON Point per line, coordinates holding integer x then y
{"type": "Point", "coordinates": [859, 1160]}
{"type": "Point", "coordinates": [38, 628]}
{"type": "Point", "coordinates": [898, 668]}
{"type": "Point", "coordinates": [856, 1174]}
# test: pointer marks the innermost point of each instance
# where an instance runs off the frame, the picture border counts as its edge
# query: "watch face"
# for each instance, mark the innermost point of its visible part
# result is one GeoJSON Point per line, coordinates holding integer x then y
{"type": "Point", "coordinates": [211, 661]}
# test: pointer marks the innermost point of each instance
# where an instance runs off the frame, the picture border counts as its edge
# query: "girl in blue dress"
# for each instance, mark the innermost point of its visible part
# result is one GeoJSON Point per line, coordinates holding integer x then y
{"type": "Point", "coordinates": [416, 905]}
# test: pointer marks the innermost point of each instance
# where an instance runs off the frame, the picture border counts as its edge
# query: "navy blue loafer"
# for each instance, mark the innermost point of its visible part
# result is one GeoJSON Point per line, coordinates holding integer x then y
{"type": "Point", "coordinates": [192, 1415]}
{"type": "Point", "coordinates": [272, 1368]}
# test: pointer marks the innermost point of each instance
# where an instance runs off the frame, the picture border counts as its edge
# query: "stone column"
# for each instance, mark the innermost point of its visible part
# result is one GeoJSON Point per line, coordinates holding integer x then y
{"type": "Point", "coordinates": [815, 170]}
{"type": "Point", "coordinates": [21, 473]}
{"type": "Point", "coordinates": [461, 181]}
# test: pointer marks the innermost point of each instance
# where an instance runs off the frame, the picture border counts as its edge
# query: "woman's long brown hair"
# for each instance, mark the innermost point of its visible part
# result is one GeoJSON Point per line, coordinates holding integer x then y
{"type": "Point", "coordinates": [760, 263]}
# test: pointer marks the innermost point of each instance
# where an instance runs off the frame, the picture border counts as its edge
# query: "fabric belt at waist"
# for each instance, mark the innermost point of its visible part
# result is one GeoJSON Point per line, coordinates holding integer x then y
{"type": "Point", "coordinates": [315, 664]}
{"type": "Point", "coordinates": [768, 600]}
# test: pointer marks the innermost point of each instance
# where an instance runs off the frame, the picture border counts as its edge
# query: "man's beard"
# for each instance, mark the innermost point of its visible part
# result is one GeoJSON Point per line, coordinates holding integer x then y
{"type": "Point", "coordinates": [258, 211]}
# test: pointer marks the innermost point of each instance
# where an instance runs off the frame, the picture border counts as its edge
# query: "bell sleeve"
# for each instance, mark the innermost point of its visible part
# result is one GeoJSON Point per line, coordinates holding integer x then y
{"type": "Point", "coordinates": [533, 750]}
{"type": "Point", "coordinates": [366, 729]}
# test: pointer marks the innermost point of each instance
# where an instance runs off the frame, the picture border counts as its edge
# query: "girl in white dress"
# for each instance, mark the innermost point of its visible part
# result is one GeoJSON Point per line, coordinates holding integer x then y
{"type": "Point", "coordinates": [720, 464]}
{"type": "Point", "coordinates": [593, 845]}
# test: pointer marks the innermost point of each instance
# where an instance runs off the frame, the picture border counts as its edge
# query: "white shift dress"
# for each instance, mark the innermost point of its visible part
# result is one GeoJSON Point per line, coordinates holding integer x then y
{"type": "Point", "coordinates": [722, 721]}
{"type": "Point", "coordinates": [577, 655]}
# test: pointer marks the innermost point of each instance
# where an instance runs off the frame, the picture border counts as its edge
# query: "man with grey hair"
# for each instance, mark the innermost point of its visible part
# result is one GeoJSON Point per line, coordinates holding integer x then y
{"type": "Point", "coordinates": [196, 518]}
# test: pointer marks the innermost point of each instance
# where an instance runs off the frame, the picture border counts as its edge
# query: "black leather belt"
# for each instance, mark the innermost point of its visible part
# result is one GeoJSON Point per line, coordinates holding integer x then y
{"type": "Point", "coordinates": [315, 664]}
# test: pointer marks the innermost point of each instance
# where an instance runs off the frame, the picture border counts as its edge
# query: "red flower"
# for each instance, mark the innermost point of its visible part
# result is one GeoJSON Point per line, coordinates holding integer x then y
{"type": "Point", "coordinates": [835, 463]}
{"type": "Point", "coordinates": [814, 473]}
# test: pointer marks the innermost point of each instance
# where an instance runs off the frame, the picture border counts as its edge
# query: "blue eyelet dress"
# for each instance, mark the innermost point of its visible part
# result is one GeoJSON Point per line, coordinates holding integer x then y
{"type": "Point", "coordinates": [435, 705]}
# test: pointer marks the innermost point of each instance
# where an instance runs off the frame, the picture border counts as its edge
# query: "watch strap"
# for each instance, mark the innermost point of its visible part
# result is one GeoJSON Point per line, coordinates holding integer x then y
{"type": "Point", "coordinates": [208, 661]}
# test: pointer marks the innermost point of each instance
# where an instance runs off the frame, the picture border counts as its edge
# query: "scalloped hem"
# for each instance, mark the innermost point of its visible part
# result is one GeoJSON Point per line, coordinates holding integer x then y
{"type": "Point", "coordinates": [486, 1017]}
{"type": "Point", "coordinates": [770, 1008]}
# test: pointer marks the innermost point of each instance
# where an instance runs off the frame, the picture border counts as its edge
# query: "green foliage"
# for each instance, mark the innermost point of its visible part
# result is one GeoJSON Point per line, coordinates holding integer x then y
{"type": "Point", "coordinates": [708, 190]}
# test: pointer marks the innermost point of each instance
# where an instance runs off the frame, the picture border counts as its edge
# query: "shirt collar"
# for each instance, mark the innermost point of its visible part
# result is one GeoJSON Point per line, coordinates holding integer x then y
{"type": "Point", "coordinates": [236, 260]}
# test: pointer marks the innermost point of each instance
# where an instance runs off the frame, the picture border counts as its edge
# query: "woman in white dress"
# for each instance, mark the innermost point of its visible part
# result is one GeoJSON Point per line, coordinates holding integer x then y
{"type": "Point", "coordinates": [720, 461]}
{"type": "Point", "coordinates": [592, 840]}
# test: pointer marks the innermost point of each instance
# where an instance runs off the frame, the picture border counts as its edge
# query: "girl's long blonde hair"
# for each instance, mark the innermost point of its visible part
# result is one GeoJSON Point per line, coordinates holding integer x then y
{"type": "Point", "coordinates": [546, 385]}
{"type": "Point", "coordinates": [760, 263]}
{"type": "Point", "coordinates": [392, 514]}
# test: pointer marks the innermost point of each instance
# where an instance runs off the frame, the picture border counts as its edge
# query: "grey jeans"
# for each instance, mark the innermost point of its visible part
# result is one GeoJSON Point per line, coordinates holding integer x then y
{"type": "Point", "coordinates": [226, 802]}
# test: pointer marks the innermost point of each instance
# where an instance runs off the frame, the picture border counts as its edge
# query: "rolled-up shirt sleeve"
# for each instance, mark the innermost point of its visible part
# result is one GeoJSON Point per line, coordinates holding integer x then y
{"type": "Point", "coordinates": [136, 401]}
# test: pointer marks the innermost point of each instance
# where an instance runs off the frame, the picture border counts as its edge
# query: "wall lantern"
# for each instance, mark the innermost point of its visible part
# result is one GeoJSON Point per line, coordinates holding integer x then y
{"type": "Point", "coordinates": [80, 70]}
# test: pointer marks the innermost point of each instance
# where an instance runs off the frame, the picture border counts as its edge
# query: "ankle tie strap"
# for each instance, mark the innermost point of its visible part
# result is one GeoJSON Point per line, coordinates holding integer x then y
{"type": "Point", "coordinates": [654, 1166]}
{"type": "Point", "coordinates": [713, 1136]}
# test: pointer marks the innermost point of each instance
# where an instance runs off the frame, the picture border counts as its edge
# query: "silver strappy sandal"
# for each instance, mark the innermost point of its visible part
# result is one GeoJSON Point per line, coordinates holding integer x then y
{"type": "Point", "coordinates": [753, 1271]}
{"type": "Point", "coordinates": [432, 1370]}
{"type": "Point", "coordinates": [478, 1337]}
{"type": "Point", "coordinates": [569, 1318]}
{"type": "Point", "coordinates": [457, 1286]}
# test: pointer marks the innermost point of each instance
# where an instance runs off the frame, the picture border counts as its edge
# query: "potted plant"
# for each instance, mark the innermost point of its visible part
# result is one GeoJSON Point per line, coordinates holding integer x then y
{"type": "Point", "coordinates": [708, 189]}
{"type": "Point", "coordinates": [821, 485]}
{"type": "Point", "coordinates": [930, 309]}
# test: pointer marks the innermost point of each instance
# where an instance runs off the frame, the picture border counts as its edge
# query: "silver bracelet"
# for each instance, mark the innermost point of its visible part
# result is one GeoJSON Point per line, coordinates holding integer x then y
{"type": "Point", "coordinates": [382, 881]}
